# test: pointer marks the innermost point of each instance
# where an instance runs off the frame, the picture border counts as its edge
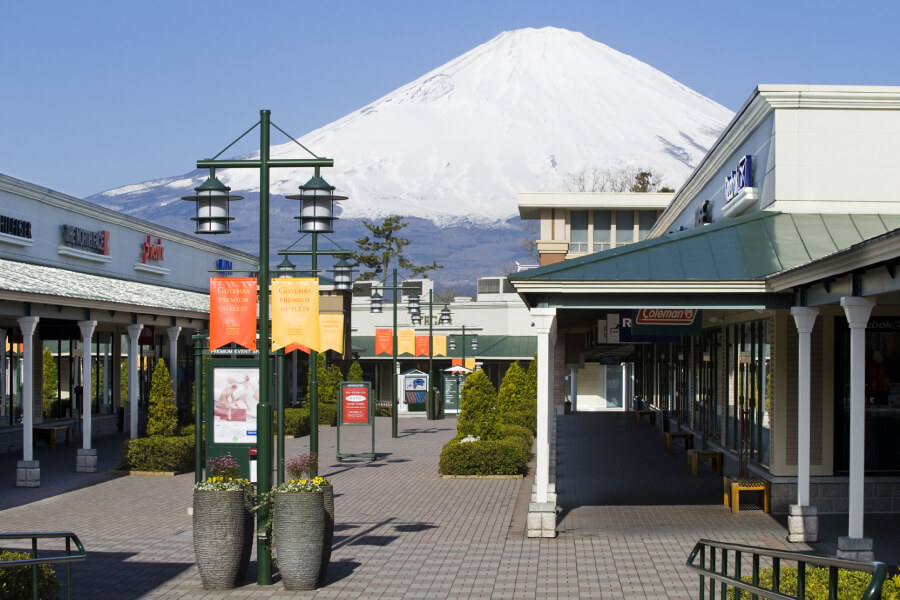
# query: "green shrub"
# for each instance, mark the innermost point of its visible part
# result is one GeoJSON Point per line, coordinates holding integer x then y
{"type": "Point", "coordinates": [327, 413]}
{"type": "Point", "coordinates": [513, 394]}
{"type": "Point", "coordinates": [851, 584]}
{"type": "Point", "coordinates": [478, 415]}
{"type": "Point", "coordinates": [355, 373]}
{"type": "Point", "coordinates": [483, 457]}
{"type": "Point", "coordinates": [163, 418]}
{"type": "Point", "coordinates": [158, 453]}
{"type": "Point", "coordinates": [522, 418]}
{"type": "Point", "coordinates": [50, 374]}
{"type": "Point", "coordinates": [296, 421]}
{"type": "Point", "coordinates": [15, 582]}
{"type": "Point", "coordinates": [518, 434]}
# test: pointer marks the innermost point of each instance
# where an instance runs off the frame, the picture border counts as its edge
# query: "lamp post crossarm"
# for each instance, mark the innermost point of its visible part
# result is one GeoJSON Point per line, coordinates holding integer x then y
{"type": "Point", "coordinates": [271, 163]}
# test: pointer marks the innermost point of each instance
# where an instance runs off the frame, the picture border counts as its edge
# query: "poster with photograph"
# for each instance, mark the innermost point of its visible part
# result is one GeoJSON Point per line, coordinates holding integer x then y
{"type": "Point", "coordinates": [235, 397]}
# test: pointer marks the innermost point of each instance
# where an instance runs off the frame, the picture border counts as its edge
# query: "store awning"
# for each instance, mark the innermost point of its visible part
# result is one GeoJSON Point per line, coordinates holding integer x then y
{"type": "Point", "coordinates": [723, 265]}
{"type": "Point", "coordinates": [27, 282]}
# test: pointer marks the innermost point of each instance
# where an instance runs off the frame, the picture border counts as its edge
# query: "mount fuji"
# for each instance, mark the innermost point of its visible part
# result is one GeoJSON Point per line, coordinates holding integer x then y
{"type": "Point", "coordinates": [451, 150]}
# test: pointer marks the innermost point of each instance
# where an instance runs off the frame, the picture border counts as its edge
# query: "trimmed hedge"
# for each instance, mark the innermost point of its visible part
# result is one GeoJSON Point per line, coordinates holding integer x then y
{"type": "Point", "coordinates": [851, 584]}
{"type": "Point", "coordinates": [15, 582]}
{"type": "Point", "coordinates": [296, 422]}
{"type": "Point", "coordinates": [523, 418]}
{"type": "Point", "coordinates": [327, 413]}
{"type": "Point", "coordinates": [483, 457]}
{"type": "Point", "coordinates": [158, 453]}
{"type": "Point", "coordinates": [518, 434]}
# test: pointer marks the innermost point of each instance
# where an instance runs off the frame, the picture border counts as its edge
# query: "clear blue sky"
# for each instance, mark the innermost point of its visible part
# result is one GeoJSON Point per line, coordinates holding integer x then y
{"type": "Point", "coordinates": [98, 94]}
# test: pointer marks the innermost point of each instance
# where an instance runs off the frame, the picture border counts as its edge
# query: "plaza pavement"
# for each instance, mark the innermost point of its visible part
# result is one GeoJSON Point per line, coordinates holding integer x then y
{"type": "Point", "coordinates": [404, 532]}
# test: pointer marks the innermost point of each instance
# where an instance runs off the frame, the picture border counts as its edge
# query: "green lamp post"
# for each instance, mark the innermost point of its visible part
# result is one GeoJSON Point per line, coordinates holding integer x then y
{"type": "Point", "coordinates": [212, 217]}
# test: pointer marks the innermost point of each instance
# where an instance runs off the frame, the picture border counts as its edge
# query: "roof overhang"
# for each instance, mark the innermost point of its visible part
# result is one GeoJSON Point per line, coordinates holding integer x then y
{"type": "Point", "coordinates": [531, 203]}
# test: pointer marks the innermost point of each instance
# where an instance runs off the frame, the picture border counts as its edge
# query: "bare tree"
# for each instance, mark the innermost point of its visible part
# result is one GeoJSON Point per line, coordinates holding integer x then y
{"type": "Point", "coordinates": [621, 178]}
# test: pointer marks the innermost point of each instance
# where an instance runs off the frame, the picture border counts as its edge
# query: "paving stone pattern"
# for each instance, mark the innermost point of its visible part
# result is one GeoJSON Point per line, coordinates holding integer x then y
{"type": "Point", "coordinates": [402, 532]}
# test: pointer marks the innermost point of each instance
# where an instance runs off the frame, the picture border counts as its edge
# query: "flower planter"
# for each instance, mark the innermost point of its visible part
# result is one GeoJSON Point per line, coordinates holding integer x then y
{"type": "Point", "coordinates": [298, 531]}
{"type": "Point", "coordinates": [328, 503]}
{"type": "Point", "coordinates": [223, 537]}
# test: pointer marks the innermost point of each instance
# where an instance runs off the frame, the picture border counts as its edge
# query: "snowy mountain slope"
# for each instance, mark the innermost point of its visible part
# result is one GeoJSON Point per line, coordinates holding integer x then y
{"type": "Point", "coordinates": [518, 113]}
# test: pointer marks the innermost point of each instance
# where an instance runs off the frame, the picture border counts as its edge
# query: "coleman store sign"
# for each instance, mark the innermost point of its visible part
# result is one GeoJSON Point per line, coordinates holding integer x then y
{"type": "Point", "coordinates": [666, 316]}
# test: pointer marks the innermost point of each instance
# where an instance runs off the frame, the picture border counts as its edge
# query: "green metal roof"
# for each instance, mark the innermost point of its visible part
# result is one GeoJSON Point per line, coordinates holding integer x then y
{"type": "Point", "coordinates": [513, 347]}
{"type": "Point", "coordinates": [747, 248]}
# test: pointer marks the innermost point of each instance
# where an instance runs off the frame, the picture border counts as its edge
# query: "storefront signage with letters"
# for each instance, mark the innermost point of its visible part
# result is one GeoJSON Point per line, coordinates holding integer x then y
{"type": "Point", "coordinates": [95, 241]}
{"type": "Point", "coordinates": [739, 179]}
{"type": "Point", "coordinates": [16, 227]}
{"type": "Point", "coordinates": [151, 250]}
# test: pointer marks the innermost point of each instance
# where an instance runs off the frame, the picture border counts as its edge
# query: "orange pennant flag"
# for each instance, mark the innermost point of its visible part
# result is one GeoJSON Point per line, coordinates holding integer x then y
{"type": "Point", "coordinates": [384, 341]}
{"type": "Point", "coordinates": [295, 312]}
{"type": "Point", "coordinates": [232, 312]}
{"type": "Point", "coordinates": [421, 345]}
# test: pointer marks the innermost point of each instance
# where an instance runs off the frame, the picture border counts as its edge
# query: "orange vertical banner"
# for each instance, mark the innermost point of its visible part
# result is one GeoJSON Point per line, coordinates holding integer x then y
{"type": "Point", "coordinates": [470, 364]}
{"type": "Point", "coordinates": [421, 345]}
{"type": "Point", "coordinates": [384, 341]}
{"type": "Point", "coordinates": [439, 346]}
{"type": "Point", "coordinates": [295, 312]}
{"type": "Point", "coordinates": [232, 312]}
{"type": "Point", "coordinates": [406, 341]}
{"type": "Point", "coordinates": [331, 332]}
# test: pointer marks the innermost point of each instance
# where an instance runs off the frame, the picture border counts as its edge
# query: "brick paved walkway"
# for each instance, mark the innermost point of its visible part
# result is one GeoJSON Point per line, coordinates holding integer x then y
{"type": "Point", "coordinates": [401, 531]}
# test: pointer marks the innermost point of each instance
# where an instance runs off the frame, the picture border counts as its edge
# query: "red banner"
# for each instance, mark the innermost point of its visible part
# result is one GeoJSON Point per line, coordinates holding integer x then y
{"type": "Point", "coordinates": [354, 404]}
{"type": "Point", "coordinates": [384, 341]}
{"type": "Point", "coordinates": [232, 312]}
{"type": "Point", "coordinates": [422, 345]}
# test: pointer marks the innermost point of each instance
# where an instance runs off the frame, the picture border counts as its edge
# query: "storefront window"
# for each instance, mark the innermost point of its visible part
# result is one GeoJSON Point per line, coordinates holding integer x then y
{"type": "Point", "coordinates": [624, 226]}
{"type": "Point", "coordinates": [747, 425]}
{"type": "Point", "coordinates": [579, 237]}
{"type": "Point", "coordinates": [882, 396]}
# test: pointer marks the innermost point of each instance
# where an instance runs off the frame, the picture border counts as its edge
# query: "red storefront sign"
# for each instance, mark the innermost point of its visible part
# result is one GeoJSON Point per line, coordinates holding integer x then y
{"type": "Point", "coordinates": [354, 405]}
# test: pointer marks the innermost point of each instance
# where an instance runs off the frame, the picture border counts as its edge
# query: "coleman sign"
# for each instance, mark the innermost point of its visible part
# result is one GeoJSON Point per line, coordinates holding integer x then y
{"type": "Point", "coordinates": [666, 316]}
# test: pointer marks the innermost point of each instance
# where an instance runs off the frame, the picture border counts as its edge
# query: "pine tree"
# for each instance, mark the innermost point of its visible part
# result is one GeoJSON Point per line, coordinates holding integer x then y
{"type": "Point", "coordinates": [478, 415]}
{"type": "Point", "coordinates": [531, 376]}
{"type": "Point", "coordinates": [51, 381]}
{"type": "Point", "coordinates": [123, 383]}
{"type": "Point", "coordinates": [163, 419]}
{"type": "Point", "coordinates": [383, 248]}
{"type": "Point", "coordinates": [355, 373]}
{"type": "Point", "coordinates": [328, 380]}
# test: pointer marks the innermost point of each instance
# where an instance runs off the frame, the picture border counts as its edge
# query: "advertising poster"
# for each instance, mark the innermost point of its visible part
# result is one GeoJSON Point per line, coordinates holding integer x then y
{"type": "Point", "coordinates": [354, 405]}
{"type": "Point", "coordinates": [235, 397]}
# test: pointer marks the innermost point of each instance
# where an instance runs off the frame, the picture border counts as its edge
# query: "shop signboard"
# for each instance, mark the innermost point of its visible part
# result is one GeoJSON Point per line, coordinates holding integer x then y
{"type": "Point", "coordinates": [355, 409]}
{"type": "Point", "coordinates": [232, 396]}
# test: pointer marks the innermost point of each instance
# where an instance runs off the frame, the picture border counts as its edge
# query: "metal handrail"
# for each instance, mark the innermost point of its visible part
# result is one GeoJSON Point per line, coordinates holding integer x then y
{"type": "Point", "coordinates": [708, 569]}
{"type": "Point", "coordinates": [68, 558]}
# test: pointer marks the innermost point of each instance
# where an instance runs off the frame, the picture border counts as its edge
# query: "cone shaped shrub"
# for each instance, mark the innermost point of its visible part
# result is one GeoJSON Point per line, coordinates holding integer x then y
{"type": "Point", "coordinates": [478, 415]}
{"type": "Point", "coordinates": [163, 418]}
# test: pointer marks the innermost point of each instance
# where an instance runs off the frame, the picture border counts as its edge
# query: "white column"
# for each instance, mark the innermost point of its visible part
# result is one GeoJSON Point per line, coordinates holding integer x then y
{"type": "Point", "coordinates": [87, 332]}
{"type": "Point", "coordinates": [173, 359]}
{"type": "Point", "coordinates": [134, 331]}
{"type": "Point", "coordinates": [2, 371]}
{"type": "Point", "coordinates": [805, 319]}
{"type": "Point", "coordinates": [857, 310]}
{"type": "Point", "coordinates": [545, 326]}
{"type": "Point", "coordinates": [573, 390]}
{"type": "Point", "coordinates": [28, 325]}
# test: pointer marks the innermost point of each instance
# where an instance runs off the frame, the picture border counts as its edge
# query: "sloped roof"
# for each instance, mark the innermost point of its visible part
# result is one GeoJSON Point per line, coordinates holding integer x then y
{"type": "Point", "coordinates": [723, 264]}
{"type": "Point", "coordinates": [750, 247]}
{"type": "Point", "coordinates": [39, 283]}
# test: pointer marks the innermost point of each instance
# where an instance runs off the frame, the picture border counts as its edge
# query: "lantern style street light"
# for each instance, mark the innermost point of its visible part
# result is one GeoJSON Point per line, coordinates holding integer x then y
{"type": "Point", "coordinates": [415, 311]}
{"type": "Point", "coordinates": [212, 217]}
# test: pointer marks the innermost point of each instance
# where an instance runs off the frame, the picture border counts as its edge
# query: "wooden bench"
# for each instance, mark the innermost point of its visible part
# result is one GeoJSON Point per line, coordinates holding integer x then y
{"type": "Point", "coordinates": [650, 413]}
{"type": "Point", "coordinates": [695, 456]}
{"type": "Point", "coordinates": [686, 437]}
{"type": "Point", "coordinates": [734, 487]}
{"type": "Point", "coordinates": [48, 433]}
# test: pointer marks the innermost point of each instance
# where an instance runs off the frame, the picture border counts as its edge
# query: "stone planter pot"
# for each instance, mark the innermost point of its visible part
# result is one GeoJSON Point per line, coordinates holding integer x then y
{"type": "Point", "coordinates": [328, 503]}
{"type": "Point", "coordinates": [223, 537]}
{"type": "Point", "coordinates": [298, 531]}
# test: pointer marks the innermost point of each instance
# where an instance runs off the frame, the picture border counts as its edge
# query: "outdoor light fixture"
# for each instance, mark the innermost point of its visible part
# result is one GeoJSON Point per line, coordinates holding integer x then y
{"type": "Point", "coordinates": [413, 304]}
{"type": "Point", "coordinates": [212, 200]}
{"type": "Point", "coordinates": [316, 206]}
{"type": "Point", "coordinates": [451, 343]}
{"type": "Point", "coordinates": [286, 268]}
{"type": "Point", "coordinates": [416, 318]}
{"type": "Point", "coordinates": [342, 275]}
{"type": "Point", "coordinates": [475, 342]}
{"type": "Point", "coordinates": [445, 317]}
{"type": "Point", "coordinates": [375, 303]}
